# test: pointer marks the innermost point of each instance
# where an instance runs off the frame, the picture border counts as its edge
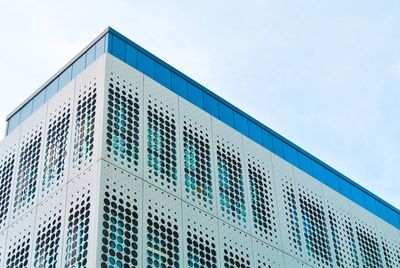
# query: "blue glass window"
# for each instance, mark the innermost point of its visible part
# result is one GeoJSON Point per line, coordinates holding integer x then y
{"type": "Point", "coordinates": [255, 132]}
{"type": "Point", "coordinates": [290, 154]}
{"type": "Point", "coordinates": [380, 209]}
{"type": "Point", "coordinates": [26, 111]}
{"type": "Point", "coordinates": [345, 187]}
{"type": "Point", "coordinates": [195, 95]}
{"type": "Point", "coordinates": [13, 122]}
{"type": "Point", "coordinates": [392, 217]}
{"type": "Point", "coordinates": [211, 105]}
{"type": "Point", "coordinates": [369, 203]}
{"type": "Point", "coordinates": [162, 75]}
{"type": "Point", "coordinates": [278, 146]}
{"type": "Point", "coordinates": [90, 55]}
{"type": "Point", "coordinates": [65, 77]}
{"type": "Point", "coordinates": [146, 65]}
{"type": "Point", "coordinates": [305, 163]}
{"type": "Point", "coordinates": [318, 171]}
{"type": "Point", "coordinates": [241, 123]}
{"type": "Point", "coordinates": [225, 114]}
{"type": "Point", "coordinates": [131, 56]}
{"type": "Point", "coordinates": [78, 66]}
{"type": "Point", "coordinates": [332, 180]}
{"type": "Point", "coordinates": [38, 100]}
{"type": "Point", "coordinates": [117, 47]}
{"type": "Point", "coordinates": [179, 86]}
{"type": "Point", "coordinates": [357, 196]}
{"type": "Point", "coordinates": [51, 89]}
{"type": "Point", "coordinates": [100, 47]}
{"type": "Point", "coordinates": [268, 140]}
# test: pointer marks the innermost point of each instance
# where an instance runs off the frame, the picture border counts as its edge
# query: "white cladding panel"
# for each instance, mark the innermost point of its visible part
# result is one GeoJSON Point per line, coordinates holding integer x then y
{"type": "Point", "coordinates": [123, 117]}
{"type": "Point", "coordinates": [80, 232]}
{"type": "Point", "coordinates": [263, 206]}
{"type": "Point", "coordinates": [266, 256]}
{"type": "Point", "coordinates": [288, 208]}
{"type": "Point", "coordinates": [8, 167]}
{"type": "Point", "coordinates": [161, 126]}
{"type": "Point", "coordinates": [162, 228]}
{"type": "Point", "coordinates": [120, 219]}
{"type": "Point", "coordinates": [49, 227]}
{"type": "Point", "coordinates": [19, 246]}
{"type": "Point", "coordinates": [196, 163]}
{"type": "Point", "coordinates": [200, 236]}
{"type": "Point", "coordinates": [233, 201]}
{"type": "Point", "coordinates": [30, 157]}
{"type": "Point", "coordinates": [57, 142]}
{"type": "Point", "coordinates": [87, 119]}
{"type": "Point", "coordinates": [3, 241]}
{"type": "Point", "coordinates": [235, 247]}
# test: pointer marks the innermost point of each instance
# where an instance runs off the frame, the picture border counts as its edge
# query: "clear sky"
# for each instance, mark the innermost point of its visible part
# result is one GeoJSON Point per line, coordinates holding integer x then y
{"type": "Point", "coordinates": [324, 74]}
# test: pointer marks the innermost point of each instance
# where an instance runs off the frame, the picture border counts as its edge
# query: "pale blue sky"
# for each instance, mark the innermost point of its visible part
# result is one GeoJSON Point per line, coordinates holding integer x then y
{"type": "Point", "coordinates": [324, 74]}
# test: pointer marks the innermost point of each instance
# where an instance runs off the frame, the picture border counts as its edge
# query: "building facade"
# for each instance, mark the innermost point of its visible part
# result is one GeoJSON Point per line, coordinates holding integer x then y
{"type": "Point", "coordinates": [119, 160]}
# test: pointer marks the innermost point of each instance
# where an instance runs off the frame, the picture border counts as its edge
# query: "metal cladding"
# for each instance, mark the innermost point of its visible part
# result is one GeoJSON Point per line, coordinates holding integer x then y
{"type": "Point", "coordinates": [116, 170]}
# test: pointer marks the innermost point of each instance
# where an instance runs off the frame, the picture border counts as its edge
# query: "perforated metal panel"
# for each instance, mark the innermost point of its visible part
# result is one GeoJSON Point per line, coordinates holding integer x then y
{"type": "Point", "coordinates": [235, 247]}
{"type": "Point", "coordinates": [289, 208]}
{"type": "Point", "coordinates": [197, 166]}
{"type": "Point", "coordinates": [162, 137]}
{"type": "Point", "coordinates": [80, 232]}
{"type": "Point", "coordinates": [162, 229]}
{"type": "Point", "coordinates": [3, 241]}
{"type": "Point", "coordinates": [49, 228]}
{"type": "Point", "coordinates": [341, 228]}
{"type": "Point", "coordinates": [123, 116]}
{"type": "Point", "coordinates": [57, 141]}
{"type": "Point", "coordinates": [29, 162]}
{"type": "Point", "coordinates": [20, 242]}
{"type": "Point", "coordinates": [87, 120]}
{"type": "Point", "coordinates": [232, 183]}
{"type": "Point", "coordinates": [314, 220]}
{"type": "Point", "coordinates": [201, 242]}
{"type": "Point", "coordinates": [8, 165]}
{"type": "Point", "coordinates": [263, 207]}
{"type": "Point", "coordinates": [390, 243]}
{"type": "Point", "coordinates": [291, 262]}
{"type": "Point", "coordinates": [120, 221]}
{"type": "Point", "coordinates": [367, 237]}
{"type": "Point", "coordinates": [266, 256]}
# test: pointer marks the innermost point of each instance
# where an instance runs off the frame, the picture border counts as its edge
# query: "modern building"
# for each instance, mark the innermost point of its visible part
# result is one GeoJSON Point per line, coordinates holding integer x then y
{"type": "Point", "coordinates": [120, 160]}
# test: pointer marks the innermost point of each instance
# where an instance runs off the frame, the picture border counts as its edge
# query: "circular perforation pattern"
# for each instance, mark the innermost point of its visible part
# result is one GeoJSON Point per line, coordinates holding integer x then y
{"type": "Point", "coordinates": [122, 137]}
{"type": "Point", "coordinates": [292, 216]}
{"type": "Point", "coordinates": [197, 164]}
{"type": "Point", "coordinates": [315, 230]}
{"type": "Point", "coordinates": [230, 183]}
{"type": "Point", "coordinates": [233, 256]}
{"type": "Point", "coordinates": [85, 125]}
{"type": "Point", "coordinates": [369, 247]}
{"type": "Point", "coordinates": [78, 230]}
{"type": "Point", "coordinates": [48, 242]}
{"type": "Point", "coordinates": [56, 148]}
{"type": "Point", "coordinates": [201, 248]}
{"type": "Point", "coordinates": [6, 174]}
{"type": "Point", "coordinates": [391, 252]}
{"type": "Point", "coordinates": [344, 243]}
{"type": "Point", "coordinates": [162, 233]}
{"type": "Point", "coordinates": [28, 170]}
{"type": "Point", "coordinates": [263, 209]}
{"type": "Point", "coordinates": [119, 229]}
{"type": "Point", "coordinates": [18, 255]}
{"type": "Point", "coordinates": [161, 146]}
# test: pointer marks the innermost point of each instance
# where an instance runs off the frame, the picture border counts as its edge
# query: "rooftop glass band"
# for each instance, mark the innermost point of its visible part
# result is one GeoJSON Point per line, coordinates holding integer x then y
{"type": "Point", "coordinates": [124, 49]}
